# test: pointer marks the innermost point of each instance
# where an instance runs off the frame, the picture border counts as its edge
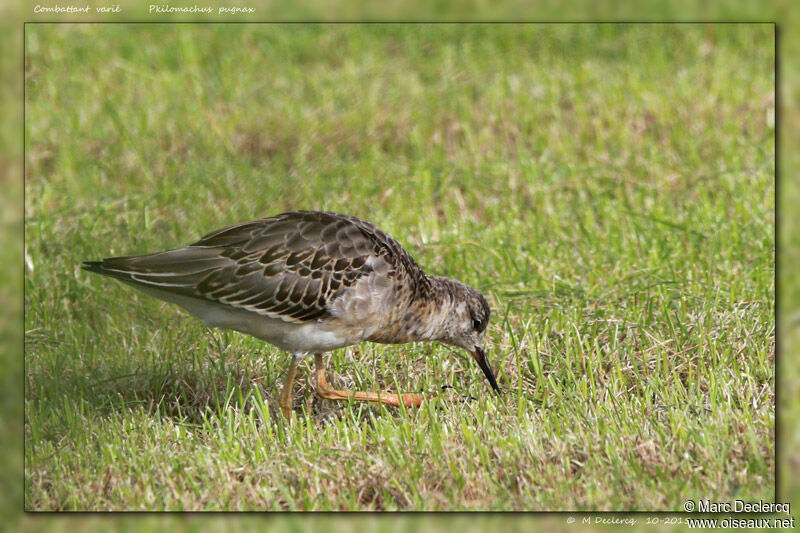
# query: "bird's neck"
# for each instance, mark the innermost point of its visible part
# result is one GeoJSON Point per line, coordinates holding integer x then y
{"type": "Point", "coordinates": [431, 310]}
{"type": "Point", "coordinates": [424, 318]}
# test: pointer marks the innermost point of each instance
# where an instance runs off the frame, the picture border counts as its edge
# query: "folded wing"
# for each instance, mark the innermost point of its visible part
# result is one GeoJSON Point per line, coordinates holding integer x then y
{"type": "Point", "coordinates": [291, 266]}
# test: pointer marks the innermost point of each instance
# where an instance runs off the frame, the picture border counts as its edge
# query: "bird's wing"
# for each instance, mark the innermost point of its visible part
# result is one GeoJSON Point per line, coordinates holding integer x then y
{"type": "Point", "coordinates": [292, 266]}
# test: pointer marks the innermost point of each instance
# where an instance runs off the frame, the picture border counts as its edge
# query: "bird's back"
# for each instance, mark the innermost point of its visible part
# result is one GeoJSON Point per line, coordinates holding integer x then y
{"type": "Point", "coordinates": [297, 267]}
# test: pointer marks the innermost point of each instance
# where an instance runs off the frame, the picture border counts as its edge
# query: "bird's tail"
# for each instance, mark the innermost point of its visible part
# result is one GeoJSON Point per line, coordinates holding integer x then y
{"type": "Point", "coordinates": [174, 270]}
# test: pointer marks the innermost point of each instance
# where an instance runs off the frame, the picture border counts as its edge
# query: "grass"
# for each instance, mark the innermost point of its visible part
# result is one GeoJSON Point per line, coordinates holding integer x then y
{"type": "Point", "coordinates": [609, 188]}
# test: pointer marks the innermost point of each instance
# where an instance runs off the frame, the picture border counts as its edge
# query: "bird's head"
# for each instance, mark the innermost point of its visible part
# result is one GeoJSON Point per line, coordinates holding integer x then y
{"type": "Point", "coordinates": [465, 324]}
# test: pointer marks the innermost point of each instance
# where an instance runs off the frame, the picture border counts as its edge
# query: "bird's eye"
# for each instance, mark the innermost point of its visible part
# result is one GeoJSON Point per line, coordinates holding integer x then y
{"type": "Point", "coordinates": [476, 324]}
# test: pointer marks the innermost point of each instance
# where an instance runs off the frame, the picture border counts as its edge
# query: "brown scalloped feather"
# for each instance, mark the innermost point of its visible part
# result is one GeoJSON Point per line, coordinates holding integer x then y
{"type": "Point", "coordinates": [292, 266]}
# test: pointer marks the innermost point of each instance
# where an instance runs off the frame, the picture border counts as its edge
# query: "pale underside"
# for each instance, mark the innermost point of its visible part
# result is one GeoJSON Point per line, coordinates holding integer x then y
{"type": "Point", "coordinates": [354, 317]}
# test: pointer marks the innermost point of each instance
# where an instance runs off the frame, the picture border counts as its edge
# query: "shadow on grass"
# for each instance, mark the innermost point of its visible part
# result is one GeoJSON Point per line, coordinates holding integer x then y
{"type": "Point", "coordinates": [186, 393]}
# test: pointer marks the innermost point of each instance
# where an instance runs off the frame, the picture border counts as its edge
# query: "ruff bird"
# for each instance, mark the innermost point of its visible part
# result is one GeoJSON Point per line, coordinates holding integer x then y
{"type": "Point", "coordinates": [310, 282]}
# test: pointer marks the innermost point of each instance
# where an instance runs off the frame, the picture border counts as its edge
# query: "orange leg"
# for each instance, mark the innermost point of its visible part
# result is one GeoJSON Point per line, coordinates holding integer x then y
{"type": "Point", "coordinates": [324, 390]}
{"type": "Point", "coordinates": [285, 400]}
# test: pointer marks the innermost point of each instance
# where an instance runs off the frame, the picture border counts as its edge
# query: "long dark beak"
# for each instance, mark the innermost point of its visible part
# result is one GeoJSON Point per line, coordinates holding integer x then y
{"type": "Point", "coordinates": [480, 356]}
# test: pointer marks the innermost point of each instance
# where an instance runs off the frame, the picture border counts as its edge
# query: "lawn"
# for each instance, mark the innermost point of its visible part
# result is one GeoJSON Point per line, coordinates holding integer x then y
{"type": "Point", "coordinates": [609, 188]}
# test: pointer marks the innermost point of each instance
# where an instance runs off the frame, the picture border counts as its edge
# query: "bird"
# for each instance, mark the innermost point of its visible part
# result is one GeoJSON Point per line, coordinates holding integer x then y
{"type": "Point", "coordinates": [309, 282]}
